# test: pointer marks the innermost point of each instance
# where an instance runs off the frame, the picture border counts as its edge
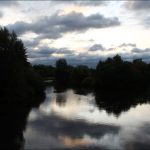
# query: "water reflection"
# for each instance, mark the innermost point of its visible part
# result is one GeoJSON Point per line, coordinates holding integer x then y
{"type": "Point", "coordinates": [13, 115]}
{"type": "Point", "coordinates": [61, 99]}
{"type": "Point", "coordinates": [69, 120]}
{"type": "Point", "coordinates": [117, 103]}
{"type": "Point", "coordinates": [13, 122]}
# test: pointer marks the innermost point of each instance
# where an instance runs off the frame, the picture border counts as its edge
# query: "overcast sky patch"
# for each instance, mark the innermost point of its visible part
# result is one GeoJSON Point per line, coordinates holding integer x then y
{"type": "Point", "coordinates": [53, 26]}
{"type": "Point", "coordinates": [51, 30]}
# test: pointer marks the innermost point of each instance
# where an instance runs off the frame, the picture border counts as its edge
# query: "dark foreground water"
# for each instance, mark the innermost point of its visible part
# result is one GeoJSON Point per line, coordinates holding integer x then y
{"type": "Point", "coordinates": [74, 121]}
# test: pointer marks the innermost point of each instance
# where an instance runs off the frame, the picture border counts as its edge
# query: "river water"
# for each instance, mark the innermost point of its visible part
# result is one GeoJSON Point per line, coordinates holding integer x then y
{"type": "Point", "coordinates": [70, 120]}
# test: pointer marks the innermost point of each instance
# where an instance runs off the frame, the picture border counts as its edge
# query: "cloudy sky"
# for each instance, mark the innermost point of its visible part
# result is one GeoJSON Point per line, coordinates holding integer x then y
{"type": "Point", "coordinates": [83, 32]}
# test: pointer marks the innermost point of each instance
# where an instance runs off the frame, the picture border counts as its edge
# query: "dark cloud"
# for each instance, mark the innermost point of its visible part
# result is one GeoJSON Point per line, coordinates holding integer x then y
{"type": "Point", "coordinates": [42, 53]}
{"type": "Point", "coordinates": [82, 2]}
{"type": "Point", "coordinates": [137, 50]}
{"type": "Point", "coordinates": [127, 44]}
{"type": "Point", "coordinates": [8, 3]}
{"type": "Point", "coordinates": [20, 27]}
{"type": "Point", "coordinates": [45, 55]}
{"type": "Point", "coordinates": [146, 21]}
{"type": "Point", "coordinates": [91, 3]}
{"type": "Point", "coordinates": [84, 58]}
{"type": "Point", "coordinates": [138, 5]}
{"type": "Point", "coordinates": [1, 14]}
{"type": "Point", "coordinates": [54, 26]}
{"type": "Point", "coordinates": [72, 59]}
{"type": "Point", "coordinates": [55, 126]}
{"type": "Point", "coordinates": [96, 47]}
{"type": "Point", "coordinates": [89, 60]}
{"type": "Point", "coordinates": [45, 52]}
{"type": "Point", "coordinates": [136, 53]}
{"type": "Point", "coordinates": [31, 43]}
{"type": "Point", "coordinates": [52, 127]}
{"type": "Point", "coordinates": [141, 10]}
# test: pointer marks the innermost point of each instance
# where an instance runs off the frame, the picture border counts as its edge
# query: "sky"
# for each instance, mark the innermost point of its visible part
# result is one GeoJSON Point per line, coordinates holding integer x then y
{"type": "Point", "coordinates": [82, 32]}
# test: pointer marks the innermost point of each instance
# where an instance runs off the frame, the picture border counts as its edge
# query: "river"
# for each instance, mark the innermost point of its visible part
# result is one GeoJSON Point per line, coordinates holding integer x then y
{"type": "Point", "coordinates": [70, 120]}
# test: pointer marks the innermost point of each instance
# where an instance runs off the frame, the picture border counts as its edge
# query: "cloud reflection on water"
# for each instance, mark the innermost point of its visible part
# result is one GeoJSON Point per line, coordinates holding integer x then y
{"type": "Point", "coordinates": [71, 120]}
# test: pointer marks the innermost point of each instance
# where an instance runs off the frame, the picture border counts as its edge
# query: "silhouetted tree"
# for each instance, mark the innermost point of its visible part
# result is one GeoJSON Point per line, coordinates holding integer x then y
{"type": "Point", "coordinates": [16, 72]}
{"type": "Point", "coordinates": [118, 75]}
{"type": "Point", "coordinates": [45, 71]}
{"type": "Point", "coordinates": [62, 73]}
{"type": "Point", "coordinates": [79, 74]}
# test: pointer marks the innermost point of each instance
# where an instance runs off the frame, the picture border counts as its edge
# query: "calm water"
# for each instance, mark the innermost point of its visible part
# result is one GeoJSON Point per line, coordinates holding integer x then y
{"type": "Point", "coordinates": [69, 120]}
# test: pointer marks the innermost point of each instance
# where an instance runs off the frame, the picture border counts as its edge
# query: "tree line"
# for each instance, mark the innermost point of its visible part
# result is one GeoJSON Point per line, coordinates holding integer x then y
{"type": "Point", "coordinates": [18, 79]}
{"type": "Point", "coordinates": [113, 74]}
{"type": "Point", "coordinates": [117, 84]}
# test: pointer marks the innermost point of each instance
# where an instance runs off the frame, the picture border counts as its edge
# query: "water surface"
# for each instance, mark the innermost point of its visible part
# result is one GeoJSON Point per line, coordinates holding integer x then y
{"type": "Point", "coordinates": [73, 121]}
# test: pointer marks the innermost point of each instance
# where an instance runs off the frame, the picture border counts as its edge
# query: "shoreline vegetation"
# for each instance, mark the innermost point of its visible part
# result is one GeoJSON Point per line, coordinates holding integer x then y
{"type": "Point", "coordinates": [114, 76]}
{"type": "Point", "coordinates": [18, 80]}
{"type": "Point", "coordinates": [21, 89]}
{"type": "Point", "coordinates": [116, 84]}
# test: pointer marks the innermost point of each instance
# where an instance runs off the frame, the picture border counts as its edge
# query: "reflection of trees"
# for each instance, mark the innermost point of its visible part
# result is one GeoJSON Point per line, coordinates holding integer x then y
{"type": "Point", "coordinates": [61, 99]}
{"type": "Point", "coordinates": [117, 103]}
{"type": "Point", "coordinates": [61, 72]}
{"type": "Point", "coordinates": [60, 89]}
{"type": "Point", "coordinates": [13, 123]}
